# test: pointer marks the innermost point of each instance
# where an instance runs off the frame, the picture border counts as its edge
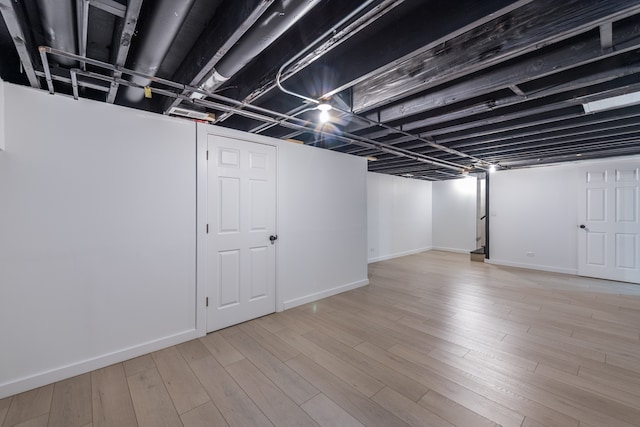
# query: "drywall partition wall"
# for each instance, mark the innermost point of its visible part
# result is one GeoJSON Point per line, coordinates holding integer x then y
{"type": "Point", "coordinates": [321, 219]}
{"type": "Point", "coordinates": [2, 108]}
{"type": "Point", "coordinates": [398, 216]}
{"type": "Point", "coordinates": [97, 236]}
{"type": "Point", "coordinates": [533, 218]}
{"type": "Point", "coordinates": [454, 215]}
{"type": "Point", "coordinates": [322, 223]}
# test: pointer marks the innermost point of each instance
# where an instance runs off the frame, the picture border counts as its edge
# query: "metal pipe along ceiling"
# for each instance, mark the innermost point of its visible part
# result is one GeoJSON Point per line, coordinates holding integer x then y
{"type": "Point", "coordinates": [59, 26]}
{"type": "Point", "coordinates": [166, 18]}
{"type": "Point", "coordinates": [276, 21]}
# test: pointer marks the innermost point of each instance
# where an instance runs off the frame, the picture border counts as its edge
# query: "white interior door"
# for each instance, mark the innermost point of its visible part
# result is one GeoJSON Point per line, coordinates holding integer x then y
{"type": "Point", "coordinates": [242, 223]}
{"type": "Point", "coordinates": [609, 230]}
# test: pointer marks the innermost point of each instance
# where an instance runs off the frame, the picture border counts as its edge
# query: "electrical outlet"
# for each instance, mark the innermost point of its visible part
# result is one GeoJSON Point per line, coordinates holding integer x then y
{"type": "Point", "coordinates": [372, 250]}
{"type": "Point", "coordinates": [531, 254]}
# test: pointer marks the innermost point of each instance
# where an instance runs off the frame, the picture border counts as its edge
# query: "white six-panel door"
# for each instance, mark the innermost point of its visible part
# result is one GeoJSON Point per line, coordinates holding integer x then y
{"type": "Point", "coordinates": [241, 219]}
{"type": "Point", "coordinates": [609, 222]}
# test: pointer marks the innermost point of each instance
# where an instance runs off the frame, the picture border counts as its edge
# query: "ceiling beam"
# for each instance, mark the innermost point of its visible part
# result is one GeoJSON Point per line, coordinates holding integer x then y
{"type": "Point", "coordinates": [606, 119]}
{"type": "Point", "coordinates": [363, 59]}
{"type": "Point", "coordinates": [545, 120]}
{"type": "Point", "coordinates": [555, 60]}
{"type": "Point", "coordinates": [524, 162]}
{"type": "Point", "coordinates": [499, 113]}
{"type": "Point", "coordinates": [125, 29]}
{"type": "Point", "coordinates": [524, 30]}
{"type": "Point", "coordinates": [600, 144]}
{"type": "Point", "coordinates": [580, 135]}
{"type": "Point", "coordinates": [216, 40]}
{"type": "Point", "coordinates": [556, 103]}
{"type": "Point", "coordinates": [15, 19]}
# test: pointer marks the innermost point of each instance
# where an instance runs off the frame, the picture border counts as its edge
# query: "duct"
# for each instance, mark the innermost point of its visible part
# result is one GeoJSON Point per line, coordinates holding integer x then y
{"type": "Point", "coordinates": [166, 18]}
{"type": "Point", "coordinates": [339, 33]}
{"type": "Point", "coordinates": [275, 22]}
{"type": "Point", "coordinates": [58, 23]}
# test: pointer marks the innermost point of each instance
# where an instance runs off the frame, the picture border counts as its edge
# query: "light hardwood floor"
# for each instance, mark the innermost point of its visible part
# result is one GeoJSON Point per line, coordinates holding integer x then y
{"type": "Point", "coordinates": [434, 340]}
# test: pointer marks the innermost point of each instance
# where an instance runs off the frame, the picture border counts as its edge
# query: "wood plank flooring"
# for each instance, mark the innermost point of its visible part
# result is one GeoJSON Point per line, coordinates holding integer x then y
{"type": "Point", "coordinates": [434, 340]}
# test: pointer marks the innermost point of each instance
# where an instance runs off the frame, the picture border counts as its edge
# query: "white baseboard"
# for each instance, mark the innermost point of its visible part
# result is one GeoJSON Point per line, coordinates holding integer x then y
{"type": "Point", "coordinates": [455, 250]}
{"type": "Point", "coordinates": [324, 294]}
{"type": "Point", "coordinates": [398, 255]}
{"type": "Point", "coordinates": [43, 378]}
{"type": "Point", "coordinates": [548, 268]}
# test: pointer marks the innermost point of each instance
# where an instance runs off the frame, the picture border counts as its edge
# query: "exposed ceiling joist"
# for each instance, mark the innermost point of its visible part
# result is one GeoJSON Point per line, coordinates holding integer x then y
{"type": "Point", "coordinates": [522, 31]}
{"type": "Point", "coordinates": [125, 30]}
{"type": "Point", "coordinates": [607, 119]}
{"type": "Point", "coordinates": [555, 157]}
{"type": "Point", "coordinates": [602, 84]}
{"type": "Point", "coordinates": [415, 37]}
{"type": "Point", "coordinates": [553, 61]}
{"type": "Point", "coordinates": [15, 20]}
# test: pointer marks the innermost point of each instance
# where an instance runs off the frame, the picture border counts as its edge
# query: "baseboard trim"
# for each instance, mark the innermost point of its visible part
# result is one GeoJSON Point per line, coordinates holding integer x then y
{"type": "Point", "coordinates": [398, 255]}
{"type": "Point", "coordinates": [547, 268]}
{"type": "Point", "coordinates": [324, 294]}
{"type": "Point", "coordinates": [454, 250]}
{"type": "Point", "coordinates": [43, 378]}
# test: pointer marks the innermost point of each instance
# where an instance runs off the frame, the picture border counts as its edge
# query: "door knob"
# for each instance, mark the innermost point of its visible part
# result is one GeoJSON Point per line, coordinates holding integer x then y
{"type": "Point", "coordinates": [582, 226]}
{"type": "Point", "coordinates": [273, 239]}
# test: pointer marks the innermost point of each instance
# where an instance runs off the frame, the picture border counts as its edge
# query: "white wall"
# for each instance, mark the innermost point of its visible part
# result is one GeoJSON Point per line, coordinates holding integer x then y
{"type": "Point", "coordinates": [454, 215]}
{"type": "Point", "coordinates": [322, 223]}
{"type": "Point", "coordinates": [97, 236]}
{"type": "Point", "coordinates": [398, 215]}
{"type": "Point", "coordinates": [533, 214]}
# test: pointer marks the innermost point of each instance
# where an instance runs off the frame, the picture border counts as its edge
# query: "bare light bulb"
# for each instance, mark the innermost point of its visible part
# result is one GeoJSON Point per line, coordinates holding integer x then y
{"type": "Point", "coordinates": [492, 168]}
{"type": "Point", "coordinates": [324, 112]}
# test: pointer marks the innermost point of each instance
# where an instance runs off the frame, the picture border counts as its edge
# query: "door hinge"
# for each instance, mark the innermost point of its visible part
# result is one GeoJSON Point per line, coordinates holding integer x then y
{"type": "Point", "coordinates": [207, 154]}
{"type": "Point", "coordinates": [207, 302]}
{"type": "Point", "coordinates": [207, 228]}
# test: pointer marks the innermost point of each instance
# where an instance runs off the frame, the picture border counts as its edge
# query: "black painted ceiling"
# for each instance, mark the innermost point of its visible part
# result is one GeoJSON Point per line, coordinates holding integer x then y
{"type": "Point", "coordinates": [433, 89]}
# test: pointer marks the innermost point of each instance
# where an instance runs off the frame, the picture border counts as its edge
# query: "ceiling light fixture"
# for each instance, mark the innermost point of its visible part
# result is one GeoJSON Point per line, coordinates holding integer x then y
{"type": "Point", "coordinates": [611, 103]}
{"type": "Point", "coordinates": [372, 158]}
{"type": "Point", "coordinates": [492, 168]}
{"type": "Point", "coordinates": [324, 112]}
